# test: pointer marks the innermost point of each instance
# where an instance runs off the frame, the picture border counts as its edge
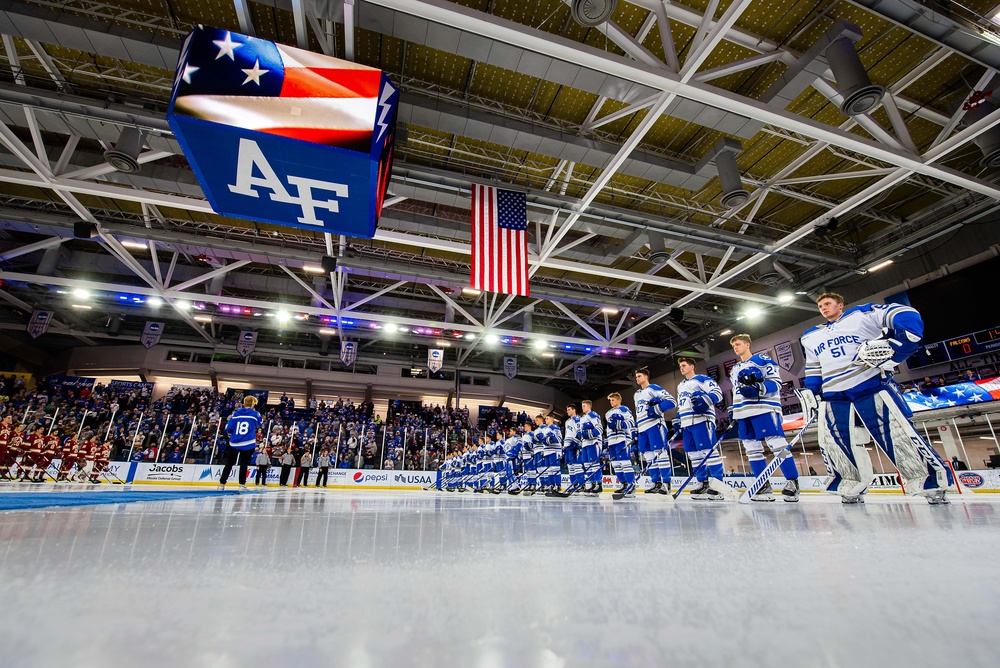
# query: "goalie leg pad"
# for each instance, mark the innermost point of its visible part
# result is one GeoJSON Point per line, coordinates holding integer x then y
{"type": "Point", "coordinates": [849, 466]}
{"type": "Point", "coordinates": [921, 469]}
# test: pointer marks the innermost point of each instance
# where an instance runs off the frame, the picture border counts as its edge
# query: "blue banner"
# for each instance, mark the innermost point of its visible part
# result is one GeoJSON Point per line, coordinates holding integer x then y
{"type": "Point", "coordinates": [282, 135]}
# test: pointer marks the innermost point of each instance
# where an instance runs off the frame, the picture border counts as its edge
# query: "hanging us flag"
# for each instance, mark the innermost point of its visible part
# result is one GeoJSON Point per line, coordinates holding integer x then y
{"type": "Point", "coordinates": [284, 135]}
{"type": "Point", "coordinates": [499, 241]}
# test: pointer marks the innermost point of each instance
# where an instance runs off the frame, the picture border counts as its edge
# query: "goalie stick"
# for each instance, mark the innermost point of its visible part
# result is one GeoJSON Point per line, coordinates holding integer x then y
{"type": "Point", "coordinates": [779, 457]}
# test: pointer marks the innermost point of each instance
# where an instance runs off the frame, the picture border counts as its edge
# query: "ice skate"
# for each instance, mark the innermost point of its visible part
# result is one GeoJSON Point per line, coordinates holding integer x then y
{"type": "Point", "coordinates": [243, 488]}
{"type": "Point", "coordinates": [655, 489]}
{"type": "Point", "coordinates": [764, 494]}
{"type": "Point", "coordinates": [851, 500]}
{"type": "Point", "coordinates": [627, 491]}
{"type": "Point", "coordinates": [938, 498]}
{"type": "Point", "coordinates": [791, 491]}
{"type": "Point", "coordinates": [222, 487]}
{"type": "Point", "coordinates": [700, 492]}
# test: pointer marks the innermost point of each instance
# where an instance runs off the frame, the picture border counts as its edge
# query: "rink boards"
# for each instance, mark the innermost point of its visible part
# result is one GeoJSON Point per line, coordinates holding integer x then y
{"type": "Point", "coordinates": [984, 481]}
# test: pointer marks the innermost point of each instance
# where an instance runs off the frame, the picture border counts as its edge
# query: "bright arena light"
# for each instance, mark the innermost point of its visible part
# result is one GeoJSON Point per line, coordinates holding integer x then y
{"type": "Point", "coordinates": [540, 344]}
{"type": "Point", "coordinates": [753, 312]}
{"type": "Point", "coordinates": [155, 302]}
{"type": "Point", "coordinates": [492, 339]}
{"type": "Point", "coordinates": [391, 327]}
{"type": "Point", "coordinates": [183, 305]}
{"type": "Point", "coordinates": [282, 316]}
{"type": "Point", "coordinates": [786, 297]}
{"type": "Point", "coordinates": [80, 293]}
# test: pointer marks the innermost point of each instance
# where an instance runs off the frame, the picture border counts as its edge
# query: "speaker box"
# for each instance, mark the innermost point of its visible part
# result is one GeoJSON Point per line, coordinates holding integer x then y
{"type": "Point", "coordinates": [329, 264]}
{"type": "Point", "coordinates": [84, 230]}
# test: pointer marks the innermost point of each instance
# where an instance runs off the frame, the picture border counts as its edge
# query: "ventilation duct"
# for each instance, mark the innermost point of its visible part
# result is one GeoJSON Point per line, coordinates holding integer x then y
{"type": "Point", "coordinates": [657, 248]}
{"type": "Point", "coordinates": [590, 13]}
{"type": "Point", "coordinates": [860, 94]}
{"type": "Point", "coordinates": [725, 152]}
{"type": "Point", "coordinates": [125, 155]}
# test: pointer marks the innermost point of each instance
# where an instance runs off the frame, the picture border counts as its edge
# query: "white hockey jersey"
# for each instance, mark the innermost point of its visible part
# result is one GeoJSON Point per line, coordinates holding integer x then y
{"type": "Point", "coordinates": [770, 400]}
{"type": "Point", "coordinates": [591, 428]}
{"type": "Point", "coordinates": [621, 424]}
{"type": "Point", "coordinates": [697, 385]}
{"type": "Point", "coordinates": [830, 348]}
{"type": "Point", "coordinates": [650, 397]}
{"type": "Point", "coordinates": [571, 432]}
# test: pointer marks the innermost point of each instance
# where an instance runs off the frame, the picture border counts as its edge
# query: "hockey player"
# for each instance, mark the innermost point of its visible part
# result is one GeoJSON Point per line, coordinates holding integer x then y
{"type": "Point", "coordinates": [69, 458]}
{"type": "Point", "coordinates": [6, 429]}
{"type": "Point", "coordinates": [50, 448]}
{"type": "Point", "coordinates": [528, 460]}
{"type": "Point", "coordinates": [86, 458]}
{"type": "Point", "coordinates": [31, 454]}
{"type": "Point", "coordinates": [650, 403]}
{"type": "Point", "coordinates": [697, 396]}
{"type": "Point", "coordinates": [552, 449]}
{"type": "Point", "coordinates": [571, 451]}
{"type": "Point", "coordinates": [757, 411]}
{"type": "Point", "coordinates": [512, 461]}
{"type": "Point", "coordinates": [242, 428]}
{"type": "Point", "coordinates": [102, 457]}
{"type": "Point", "coordinates": [15, 447]}
{"type": "Point", "coordinates": [847, 372]}
{"type": "Point", "coordinates": [591, 429]}
{"type": "Point", "coordinates": [621, 440]}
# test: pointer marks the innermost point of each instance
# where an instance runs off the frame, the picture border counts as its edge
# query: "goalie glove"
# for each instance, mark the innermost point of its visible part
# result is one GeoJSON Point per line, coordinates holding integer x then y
{"type": "Point", "coordinates": [810, 404]}
{"type": "Point", "coordinates": [876, 354]}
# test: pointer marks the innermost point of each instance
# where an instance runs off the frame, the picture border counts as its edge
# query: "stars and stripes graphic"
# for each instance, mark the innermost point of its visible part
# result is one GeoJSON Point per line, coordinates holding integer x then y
{"type": "Point", "coordinates": [957, 394]}
{"type": "Point", "coordinates": [499, 241]}
{"type": "Point", "coordinates": [258, 85]}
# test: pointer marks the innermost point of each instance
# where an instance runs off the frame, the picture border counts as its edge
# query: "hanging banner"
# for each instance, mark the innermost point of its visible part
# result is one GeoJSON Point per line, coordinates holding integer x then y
{"type": "Point", "coordinates": [713, 372]}
{"type": "Point", "coordinates": [151, 334]}
{"type": "Point", "coordinates": [784, 355]}
{"type": "Point", "coordinates": [39, 323]}
{"type": "Point", "coordinates": [435, 359]}
{"type": "Point", "coordinates": [348, 352]}
{"type": "Point", "coordinates": [246, 343]}
{"type": "Point", "coordinates": [580, 373]}
{"type": "Point", "coordinates": [510, 367]}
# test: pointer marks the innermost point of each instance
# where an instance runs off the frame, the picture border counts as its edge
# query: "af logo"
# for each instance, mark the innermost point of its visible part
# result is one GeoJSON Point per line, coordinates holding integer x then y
{"type": "Point", "coordinates": [251, 157]}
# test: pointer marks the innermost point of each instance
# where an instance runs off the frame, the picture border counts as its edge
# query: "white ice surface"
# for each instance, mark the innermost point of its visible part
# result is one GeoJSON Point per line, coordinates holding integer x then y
{"type": "Point", "coordinates": [303, 578]}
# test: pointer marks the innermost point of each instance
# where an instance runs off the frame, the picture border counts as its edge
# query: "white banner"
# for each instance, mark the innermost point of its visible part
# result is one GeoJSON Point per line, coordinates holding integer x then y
{"type": "Point", "coordinates": [348, 352]}
{"type": "Point", "coordinates": [435, 359]}
{"type": "Point", "coordinates": [784, 355]}
{"type": "Point", "coordinates": [510, 367]}
{"type": "Point", "coordinates": [580, 374]}
{"type": "Point", "coordinates": [246, 343]}
{"type": "Point", "coordinates": [151, 334]}
{"type": "Point", "coordinates": [39, 322]}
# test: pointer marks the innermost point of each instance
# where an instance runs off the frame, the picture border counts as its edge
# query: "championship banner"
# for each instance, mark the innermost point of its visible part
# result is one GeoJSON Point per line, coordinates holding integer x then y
{"type": "Point", "coordinates": [284, 135]}
{"type": "Point", "coordinates": [348, 352]}
{"type": "Point", "coordinates": [151, 334]}
{"type": "Point", "coordinates": [580, 374]}
{"type": "Point", "coordinates": [247, 343]}
{"type": "Point", "coordinates": [435, 359]}
{"type": "Point", "coordinates": [39, 322]}
{"type": "Point", "coordinates": [784, 355]}
{"type": "Point", "coordinates": [510, 367]}
{"type": "Point", "coordinates": [728, 366]}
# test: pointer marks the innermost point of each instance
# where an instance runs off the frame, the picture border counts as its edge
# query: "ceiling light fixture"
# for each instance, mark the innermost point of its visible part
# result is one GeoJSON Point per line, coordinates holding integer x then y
{"type": "Point", "coordinates": [881, 265]}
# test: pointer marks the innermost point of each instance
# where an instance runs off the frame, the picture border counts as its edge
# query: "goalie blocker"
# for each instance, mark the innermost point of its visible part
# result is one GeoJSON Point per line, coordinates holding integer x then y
{"type": "Point", "coordinates": [846, 375]}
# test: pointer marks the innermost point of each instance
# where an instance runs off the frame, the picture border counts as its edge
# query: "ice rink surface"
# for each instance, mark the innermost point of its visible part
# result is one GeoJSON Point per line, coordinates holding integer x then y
{"type": "Point", "coordinates": [366, 578]}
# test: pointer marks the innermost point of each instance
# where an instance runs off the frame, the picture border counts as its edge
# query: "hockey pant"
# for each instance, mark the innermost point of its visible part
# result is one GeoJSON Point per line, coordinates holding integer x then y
{"type": "Point", "coordinates": [530, 471]}
{"type": "Point", "coordinates": [590, 460]}
{"type": "Point", "coordinates": [621, 462]}
{"type": "Point", "coordinates": [41, 466]}
{"type": "Point", "coordinates": [757, 430]}
{"type": "Point", "coordinates": [921, 469]}
{"type": "Point", "coordinates": [540, 469]}
{"type": "Point", "coordinates": [553, 469]}
{"type": "Point", "coordinates": [574, 465]}
{"type": "Point", "coordinates": [698, 441]}
{"type": "Point", "coordinates": [83, 470]}
{"type": "Point", "coordinates": [65, 467]}
{"type": "Point", "coordinates": [655, 453]}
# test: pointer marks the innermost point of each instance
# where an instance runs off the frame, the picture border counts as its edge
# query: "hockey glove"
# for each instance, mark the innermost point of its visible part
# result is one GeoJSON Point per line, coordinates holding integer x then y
{"type": "Point", "coordinates": [653, 411]}
{"type": "Point", "coordinates": [699, 404]}
{"type": "Point", "coordinates": [749, 391]}
{"type": "Point", "coordinates": [810, 403]}
{"type": "Point", "coordinates": [876, 354]}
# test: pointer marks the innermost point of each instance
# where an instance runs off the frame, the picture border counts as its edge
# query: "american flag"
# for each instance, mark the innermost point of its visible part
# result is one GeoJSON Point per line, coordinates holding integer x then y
{"type": "Point", "coordinates": [258, 85]}
{"type": "Point", "coordinates": [499, 241]}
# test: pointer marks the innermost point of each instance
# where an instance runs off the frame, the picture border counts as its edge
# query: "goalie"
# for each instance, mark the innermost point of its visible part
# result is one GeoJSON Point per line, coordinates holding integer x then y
{"type": "Point", "coordinates": [847, 372]}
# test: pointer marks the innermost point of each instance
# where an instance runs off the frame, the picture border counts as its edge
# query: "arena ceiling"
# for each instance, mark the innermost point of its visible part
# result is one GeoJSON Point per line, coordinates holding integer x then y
{"type": "Point", "coordinates": [616, 132]}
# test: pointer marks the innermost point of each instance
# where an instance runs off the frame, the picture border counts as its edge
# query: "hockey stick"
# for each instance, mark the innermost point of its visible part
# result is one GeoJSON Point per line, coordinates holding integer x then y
{"type": "Point", "coordinates": [779, 457]}
{"type": "Point", "coordinates": [702, 465]}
